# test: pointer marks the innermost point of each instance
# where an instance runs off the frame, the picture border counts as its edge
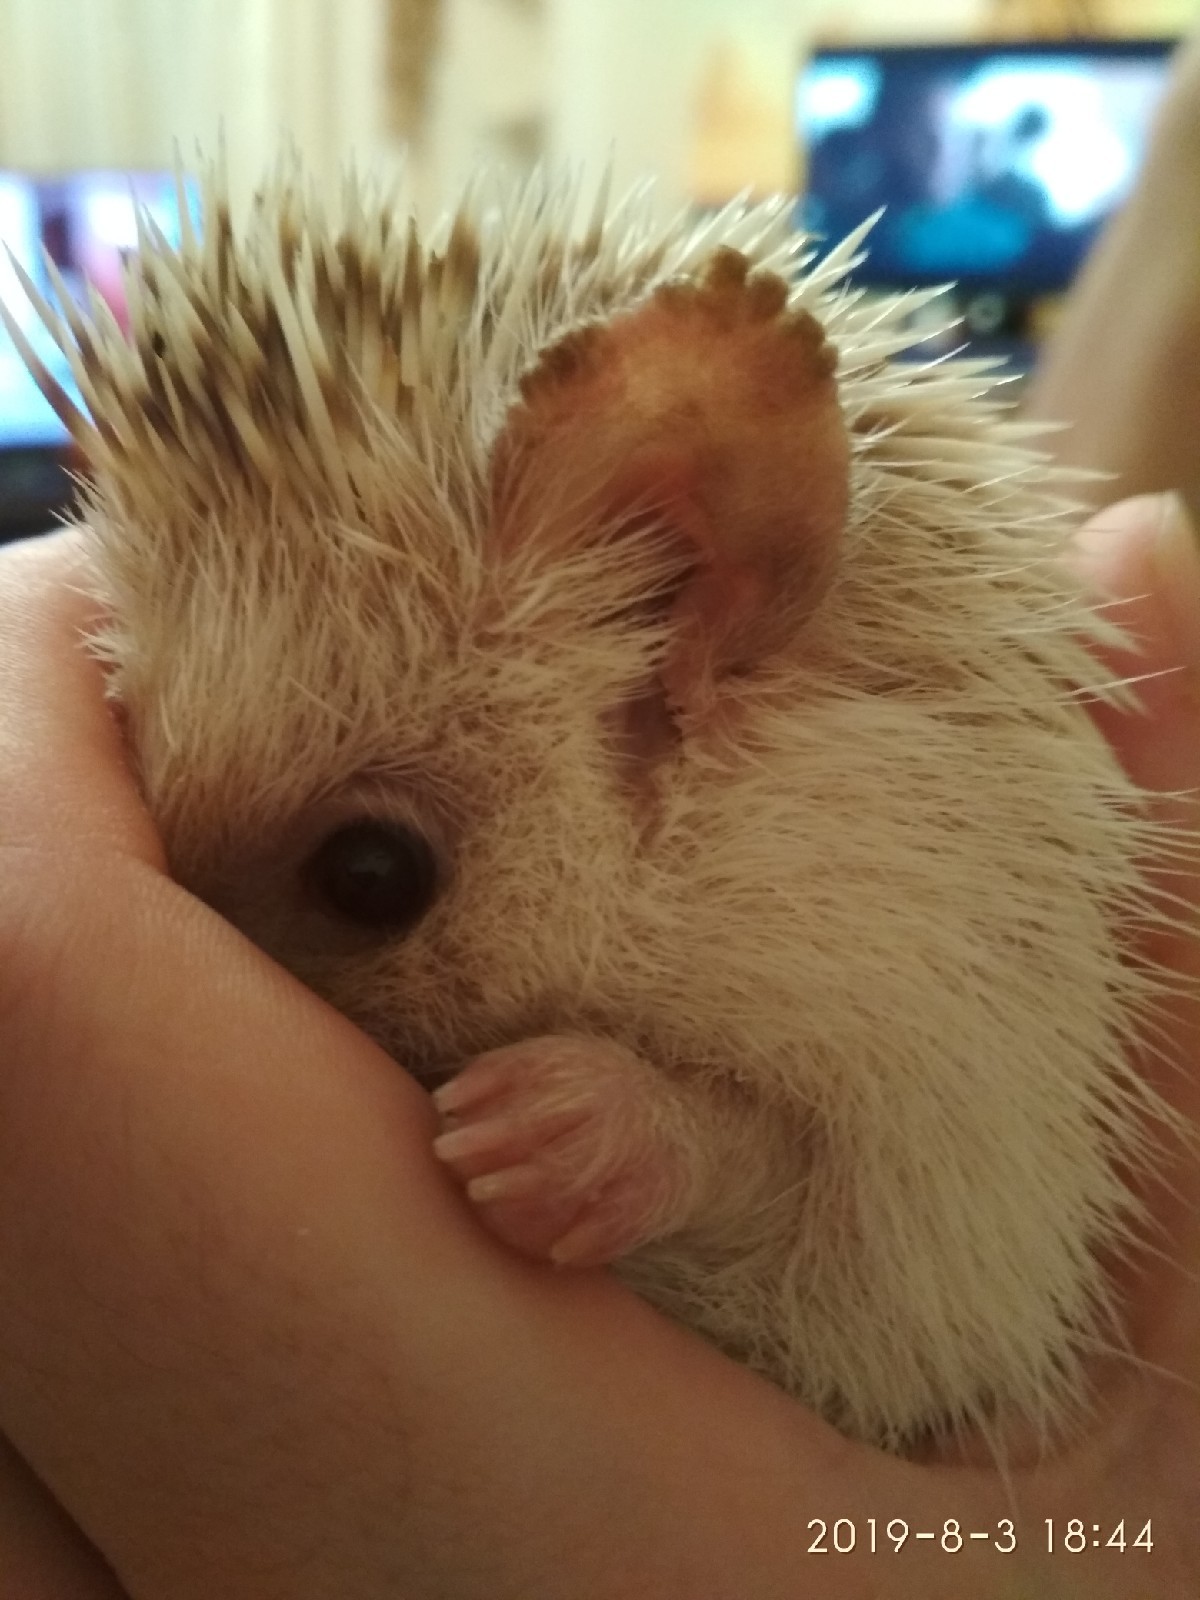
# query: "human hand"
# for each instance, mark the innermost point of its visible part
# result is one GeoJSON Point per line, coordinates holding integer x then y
{"type": "Point", "coordinates": [253, 1343]}
{"type": "Point", "coordinates": [1178, 121]}
{"type": "Point", "coordinates": [1120, 369]}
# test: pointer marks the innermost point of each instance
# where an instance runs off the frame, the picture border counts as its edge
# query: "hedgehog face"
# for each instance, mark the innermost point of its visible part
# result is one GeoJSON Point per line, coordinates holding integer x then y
{"type": "Point", "coordinates": [389, 763]}
{"type": "Point", "coordinates": [421, 561]}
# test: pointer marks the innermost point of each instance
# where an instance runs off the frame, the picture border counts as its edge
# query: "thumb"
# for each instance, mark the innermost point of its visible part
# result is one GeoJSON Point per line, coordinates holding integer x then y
{"type": "Point", "coordinates": [1141, 560]}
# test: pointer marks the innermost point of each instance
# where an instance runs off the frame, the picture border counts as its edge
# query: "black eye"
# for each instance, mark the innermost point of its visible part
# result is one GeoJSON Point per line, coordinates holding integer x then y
{"type": "Point", "coordinates": [378, 874]}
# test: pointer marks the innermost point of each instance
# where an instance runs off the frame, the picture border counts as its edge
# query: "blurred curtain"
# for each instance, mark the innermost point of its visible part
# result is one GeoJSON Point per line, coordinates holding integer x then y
{"type": "Point", "coordinates": [1033, 19]}
{"type": "Point", "coordinates": [413, 34]}
{"type": "Point", "coordinates": [116, 82]}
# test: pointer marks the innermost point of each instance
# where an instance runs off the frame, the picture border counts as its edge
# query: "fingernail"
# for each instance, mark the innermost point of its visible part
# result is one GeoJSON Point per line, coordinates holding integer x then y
{"type": "Point", "coordinates": [1102, 547]}
{"type": "Point", "coordinates": [513, 1183]}
{"type": "Point", "coordinates": [479, 1137]}
{"type": "Point", "coordinates": [1176, 560]}
{"type": "Point", "coordinates": [1115, 519]}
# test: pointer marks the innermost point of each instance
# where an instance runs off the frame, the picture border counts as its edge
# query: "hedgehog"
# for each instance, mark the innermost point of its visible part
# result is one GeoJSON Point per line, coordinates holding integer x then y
{"type": "Point", "coordinates": [604, 660]}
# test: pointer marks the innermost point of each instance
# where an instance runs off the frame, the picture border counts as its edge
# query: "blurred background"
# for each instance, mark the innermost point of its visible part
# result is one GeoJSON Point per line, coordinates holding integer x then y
{"type": "Point", "coordinates": [999, 134]}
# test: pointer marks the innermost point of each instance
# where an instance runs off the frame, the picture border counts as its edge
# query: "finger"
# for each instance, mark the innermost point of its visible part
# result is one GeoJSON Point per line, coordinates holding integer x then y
{"type": "Point", "coordinates": [1142, 560]}
{"type": "Point", "coordinates": [64, 780]}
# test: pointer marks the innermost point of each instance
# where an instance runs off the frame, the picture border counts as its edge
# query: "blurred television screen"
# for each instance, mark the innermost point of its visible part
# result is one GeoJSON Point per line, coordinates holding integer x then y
{"type": "Point", "coordinates": [86, 223]}
{"type": "Point", "coordinates": [997, 165]}
{"type": "Point", "coordinates": [25, 418]}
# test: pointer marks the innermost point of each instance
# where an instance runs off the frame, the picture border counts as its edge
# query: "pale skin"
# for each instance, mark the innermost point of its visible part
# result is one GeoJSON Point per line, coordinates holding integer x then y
{"type": "Point", "coordinates": [1124, 366]}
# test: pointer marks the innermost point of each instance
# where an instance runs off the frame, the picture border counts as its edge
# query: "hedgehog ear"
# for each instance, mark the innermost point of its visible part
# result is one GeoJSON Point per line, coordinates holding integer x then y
{"type": "Point", "coordinates": [708, 415]}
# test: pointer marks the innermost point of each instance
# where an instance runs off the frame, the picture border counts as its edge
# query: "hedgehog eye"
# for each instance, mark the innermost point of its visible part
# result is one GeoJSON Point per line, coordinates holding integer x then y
{"type": "Point", "coordinates": [379, 874]}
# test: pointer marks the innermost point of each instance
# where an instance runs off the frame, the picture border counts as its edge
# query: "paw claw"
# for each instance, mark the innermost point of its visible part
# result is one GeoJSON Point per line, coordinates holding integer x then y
{"type": "Point", "coordinates": [488, 1076]}
{"type": "Point", "coordinates": [511, 1183]}
{"type": "Point", "coordinates": [476, 1147]}
{"type": "Point", "coordinates": [556, 1142]}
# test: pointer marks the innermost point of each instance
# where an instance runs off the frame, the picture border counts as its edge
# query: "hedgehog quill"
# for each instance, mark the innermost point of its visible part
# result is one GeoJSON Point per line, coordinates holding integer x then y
{"type": "Point", "coordinates": [589, 658]}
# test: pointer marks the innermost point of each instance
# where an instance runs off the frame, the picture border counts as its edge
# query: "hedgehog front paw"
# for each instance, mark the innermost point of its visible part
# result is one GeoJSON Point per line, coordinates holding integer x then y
{"type": "Point", "coordinates": [563, 1148]}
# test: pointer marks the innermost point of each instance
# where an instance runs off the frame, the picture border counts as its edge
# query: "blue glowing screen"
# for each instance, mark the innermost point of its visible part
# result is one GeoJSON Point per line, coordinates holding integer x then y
{"type": "Point", "coordinates": [996, 165]}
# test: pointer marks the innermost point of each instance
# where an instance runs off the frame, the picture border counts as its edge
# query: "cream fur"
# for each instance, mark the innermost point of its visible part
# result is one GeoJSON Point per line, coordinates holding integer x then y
{"type": "Point", "coordinates": [883, 911]}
